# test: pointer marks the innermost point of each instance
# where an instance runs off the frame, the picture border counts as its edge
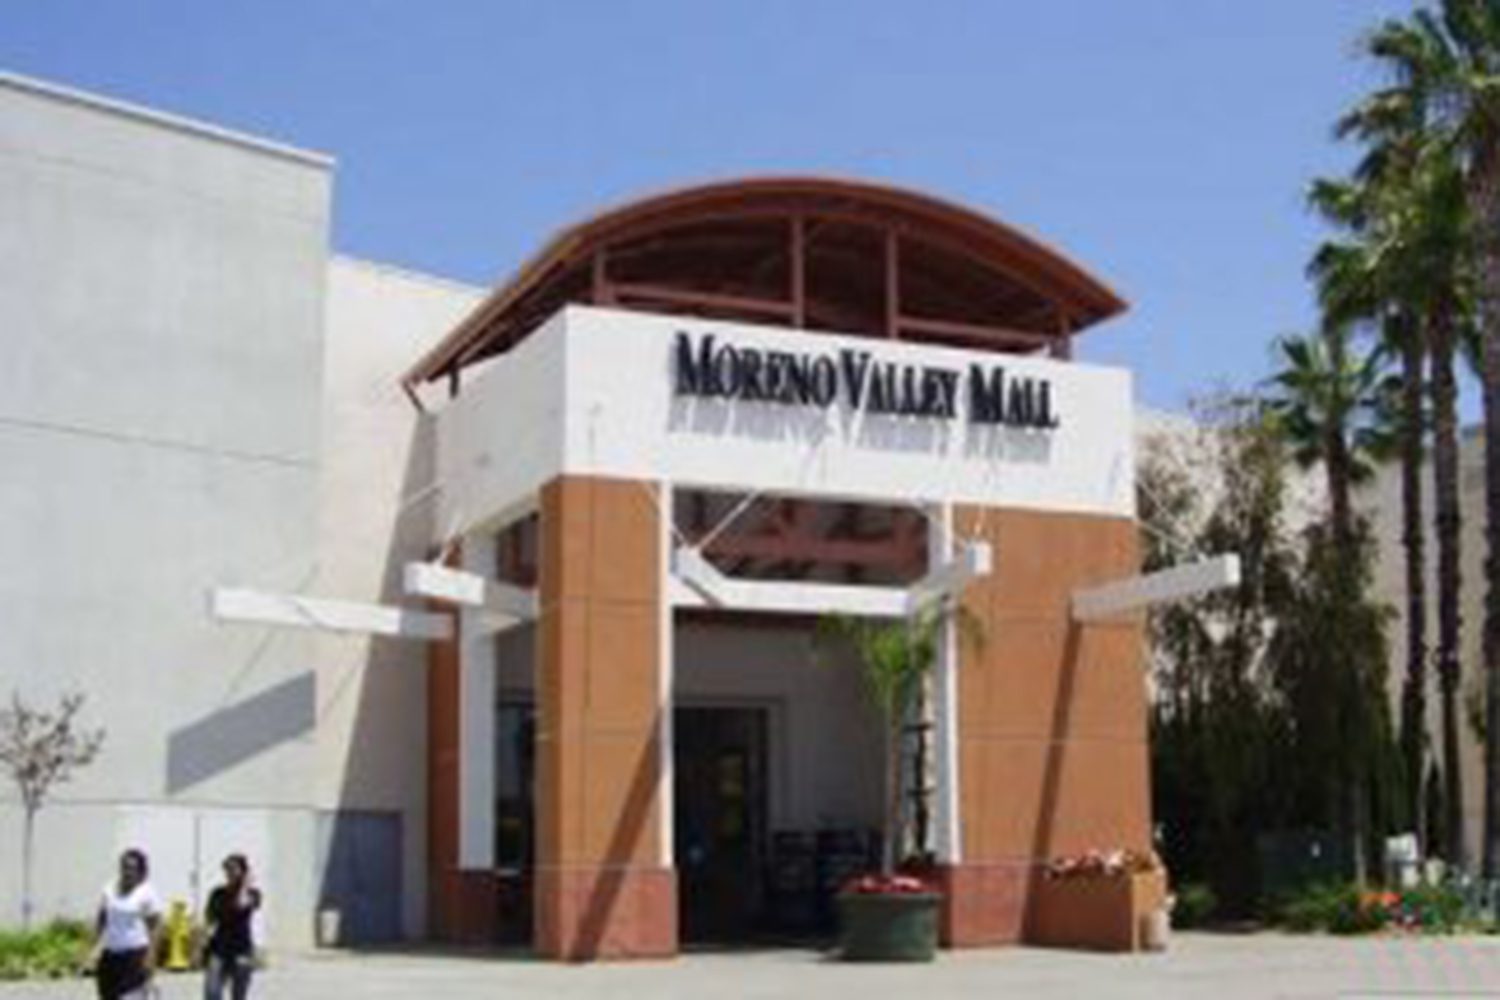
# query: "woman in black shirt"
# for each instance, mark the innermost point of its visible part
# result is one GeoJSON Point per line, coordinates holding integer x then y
{"type": "Point", "coordinates": [231, 951]}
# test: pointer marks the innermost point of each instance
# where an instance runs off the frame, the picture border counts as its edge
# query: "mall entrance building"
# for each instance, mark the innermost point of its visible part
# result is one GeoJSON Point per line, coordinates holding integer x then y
{"type": "Point", "coordinates": [493, 617]}
{"type": "Point", "coordinates": [684, 433]}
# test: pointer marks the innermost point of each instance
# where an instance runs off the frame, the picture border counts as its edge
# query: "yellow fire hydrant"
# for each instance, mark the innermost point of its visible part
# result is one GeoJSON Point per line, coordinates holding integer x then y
{"type": "Point", "coordinates": [178, 931]}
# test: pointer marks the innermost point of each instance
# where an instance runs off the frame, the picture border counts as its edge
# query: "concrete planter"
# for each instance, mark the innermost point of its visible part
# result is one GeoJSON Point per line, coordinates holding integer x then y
{"type": "Point", "coordinates": [1102, 913]}
{"type": "Point", "coordinates": [888, 927]}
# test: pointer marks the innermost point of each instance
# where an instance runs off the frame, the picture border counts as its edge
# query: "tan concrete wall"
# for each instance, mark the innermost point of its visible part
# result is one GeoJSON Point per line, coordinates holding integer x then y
{"type": "Point", "coordinates": [1052, 731]}
{"type": "Point", "coordinates": [601, 889]}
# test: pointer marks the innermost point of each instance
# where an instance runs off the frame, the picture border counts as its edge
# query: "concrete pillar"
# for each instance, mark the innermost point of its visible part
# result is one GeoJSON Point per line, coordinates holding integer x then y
{"type": "Point", "coordinates": [947, 827]}
{"type": "Point", "coordinates": [1052, 743]}
{"type": "Point", "coordinates": [603, 886]}
{"type": "Point", "coordinates": [476, 719]}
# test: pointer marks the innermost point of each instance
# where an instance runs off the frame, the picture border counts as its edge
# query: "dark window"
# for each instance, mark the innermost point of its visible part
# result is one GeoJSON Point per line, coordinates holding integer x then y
{"type": "Point", "coordinates": [515, 728]}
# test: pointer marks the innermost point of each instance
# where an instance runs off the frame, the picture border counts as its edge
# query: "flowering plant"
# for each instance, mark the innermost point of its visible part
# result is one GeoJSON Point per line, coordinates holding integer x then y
{"type": "Point", "coordinates": [1104, 864]}
{"type": "Point", "coordinates": [1418, 909]}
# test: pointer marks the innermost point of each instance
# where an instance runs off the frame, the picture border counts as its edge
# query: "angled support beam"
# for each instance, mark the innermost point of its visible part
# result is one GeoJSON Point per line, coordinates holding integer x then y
{"type": "Point", "coordinates": [699, 584]}
{"type": "Point", "coordinates": [233, 604]}
{"type": "Point", "coordinates": [1174, 584]}
{"type": "Point", "coordinates": [973, 560]}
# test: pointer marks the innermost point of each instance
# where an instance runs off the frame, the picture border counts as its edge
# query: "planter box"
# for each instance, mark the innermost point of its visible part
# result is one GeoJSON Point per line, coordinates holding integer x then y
{"type": "Point", "coordinates": [1100, 913]}
{"type": "Point", "coordinates": [888, 927]}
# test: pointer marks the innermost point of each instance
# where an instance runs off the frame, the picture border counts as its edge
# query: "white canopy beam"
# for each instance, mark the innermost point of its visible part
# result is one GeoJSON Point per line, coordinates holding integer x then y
{"type": "Point", "coordinates": [1174, 584]}
{"type": "Point", "coordinates": [511, 604]}
{"type": "Point", "coordinates": [701, 585]}
{"type": "Point", "coordinates": [234, 604]}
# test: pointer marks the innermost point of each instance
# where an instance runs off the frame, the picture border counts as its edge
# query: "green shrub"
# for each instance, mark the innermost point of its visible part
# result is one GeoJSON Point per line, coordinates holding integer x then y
{"type": "Point", "coordinates": [1196, 904]}
{"type": "Point", "coordinates": [1342, 909]}
{"type": "Point", "coordinates": [1354, 913]}
{"type": "Point", "coordinates": [56, 950]}
{"type": "Point", "coordinates": [1336, 908]}
{"type": "Point", "coordinates": [1310, 909]}
{"type": "Point", "coordinates": [1438, 909]}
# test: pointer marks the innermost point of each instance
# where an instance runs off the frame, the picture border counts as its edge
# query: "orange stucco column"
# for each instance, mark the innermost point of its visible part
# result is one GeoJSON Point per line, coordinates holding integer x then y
{"type": "Point", "coordinates": [602, 887]}
{"type": "Point", "coordinates": [1052, 721]}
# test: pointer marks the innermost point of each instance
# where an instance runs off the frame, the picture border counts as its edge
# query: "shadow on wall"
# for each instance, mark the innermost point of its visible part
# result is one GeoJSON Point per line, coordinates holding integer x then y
{"type": "Point", "coordinates": [762, 421]}
{"type": "Point", "coordinates": [604, 896]}
{"type": "Point", "coordinates": [773, 423]}
{"type": "Point", "coordinates": [362, 850]}
{"type": "Point", "coordinates": [234, 734]}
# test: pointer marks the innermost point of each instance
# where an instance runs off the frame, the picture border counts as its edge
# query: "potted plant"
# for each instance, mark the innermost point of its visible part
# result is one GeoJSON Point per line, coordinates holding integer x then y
{"type": "Point", "coordinates": [888, 915]}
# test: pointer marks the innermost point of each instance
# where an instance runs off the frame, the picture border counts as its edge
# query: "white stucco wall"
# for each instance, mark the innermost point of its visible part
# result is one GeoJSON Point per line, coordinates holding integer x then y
{"type": "Point", "coordinates": [605, 378]}
{"type": "Point", "coordinates": [377, 511]}
{"type": "Point", "coordinates": [197, 395]}
{"type": "Point", "coordinates": [161, 297]}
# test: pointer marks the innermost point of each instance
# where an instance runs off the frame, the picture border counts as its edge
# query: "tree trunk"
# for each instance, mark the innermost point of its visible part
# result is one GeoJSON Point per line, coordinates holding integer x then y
{"type": "Point", "coordinates": [1359, 825]}
{"type": "Point", "coordinates": [1341, 516]}
{"type": "Point", "coordinates": [1338, 465]}
{"type": "Point", "coordinates": [1487, 206]}
{"type": "Point", "coordinates": [1413, 541]}
{"type": "Point", "coordinates": [888, 846]}
{"type": "Point", "coordinates": [1447, 518]}
{"type": "Point", "coordinates": [28, 841]}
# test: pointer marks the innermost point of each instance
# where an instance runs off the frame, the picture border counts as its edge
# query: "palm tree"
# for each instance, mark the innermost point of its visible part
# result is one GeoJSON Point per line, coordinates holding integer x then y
{"type": "Point", "coordinates": [897, 656]}
{"type": "Point", "coordinates": [1356, 282]}
{"type": "Point", "coordinates": [1439, 259]}
{"type": "Point", "coordinates": [1407, 207]}
{"type": "Point", "coordinates": [1329, 402]}
{"type": "Point", "coordinates": [1445, 60]}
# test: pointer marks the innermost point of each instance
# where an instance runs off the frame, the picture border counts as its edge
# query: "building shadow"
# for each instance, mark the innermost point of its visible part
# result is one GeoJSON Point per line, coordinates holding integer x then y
{"type": "Point", "coordinates": [236, 733]}
{"type": "Point", "coordinates": [619, 857]}
{"type": "Point", "coordinates": [1052, 773]}
{"type": "Point", "coordinates": [367, 841]}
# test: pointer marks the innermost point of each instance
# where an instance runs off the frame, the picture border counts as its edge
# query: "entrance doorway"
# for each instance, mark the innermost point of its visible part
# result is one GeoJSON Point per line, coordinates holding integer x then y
{"type": "Point", "coordinates": [720, 774]}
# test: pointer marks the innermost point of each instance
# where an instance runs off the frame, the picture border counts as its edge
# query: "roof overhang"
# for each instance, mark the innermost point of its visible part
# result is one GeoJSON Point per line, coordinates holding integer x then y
{"type": "Point", "coordinates": [1079, 298]}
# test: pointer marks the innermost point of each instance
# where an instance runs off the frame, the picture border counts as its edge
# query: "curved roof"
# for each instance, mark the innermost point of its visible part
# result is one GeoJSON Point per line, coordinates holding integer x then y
{"type": "Point", "coordinates": [840, 255]}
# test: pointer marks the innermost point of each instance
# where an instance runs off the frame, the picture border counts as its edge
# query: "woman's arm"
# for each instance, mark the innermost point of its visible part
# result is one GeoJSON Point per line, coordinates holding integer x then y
{"type": "Point", "coordinates": [151, 911]}
{"type": "Point", "coordinates": [249, 900]}
{"type": "Point", "coordinates": [153, 934]}
{"type": "Point", "coordinates": [97, 949]}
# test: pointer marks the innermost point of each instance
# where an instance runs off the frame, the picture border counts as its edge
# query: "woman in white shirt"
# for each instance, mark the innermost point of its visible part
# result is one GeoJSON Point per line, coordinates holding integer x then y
{"type": "Point", "coordinates": [129, 917]}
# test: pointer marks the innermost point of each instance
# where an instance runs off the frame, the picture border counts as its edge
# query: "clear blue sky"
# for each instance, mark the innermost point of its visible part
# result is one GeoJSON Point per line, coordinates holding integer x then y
{"type": "Point", "coordinates": [1166, 144]}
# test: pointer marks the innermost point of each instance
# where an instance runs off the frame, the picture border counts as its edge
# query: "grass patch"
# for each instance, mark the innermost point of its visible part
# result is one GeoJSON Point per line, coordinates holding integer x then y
{"type": "Point", "coordinates": [54, 951]}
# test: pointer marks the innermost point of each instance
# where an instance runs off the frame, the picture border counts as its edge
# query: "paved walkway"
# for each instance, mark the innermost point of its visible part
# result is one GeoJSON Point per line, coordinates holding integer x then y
{"type": "Point", "coordinates": [1220, 967]}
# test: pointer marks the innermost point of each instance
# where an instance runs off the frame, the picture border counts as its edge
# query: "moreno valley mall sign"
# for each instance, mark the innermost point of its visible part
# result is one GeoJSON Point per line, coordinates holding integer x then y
{"type": "Point", "coordinates": [705, 367]}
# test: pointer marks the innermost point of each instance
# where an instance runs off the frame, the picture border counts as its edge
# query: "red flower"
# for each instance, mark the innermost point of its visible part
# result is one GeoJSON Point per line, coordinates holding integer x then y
{"type": "Point", "coordinates": [879, 885]}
